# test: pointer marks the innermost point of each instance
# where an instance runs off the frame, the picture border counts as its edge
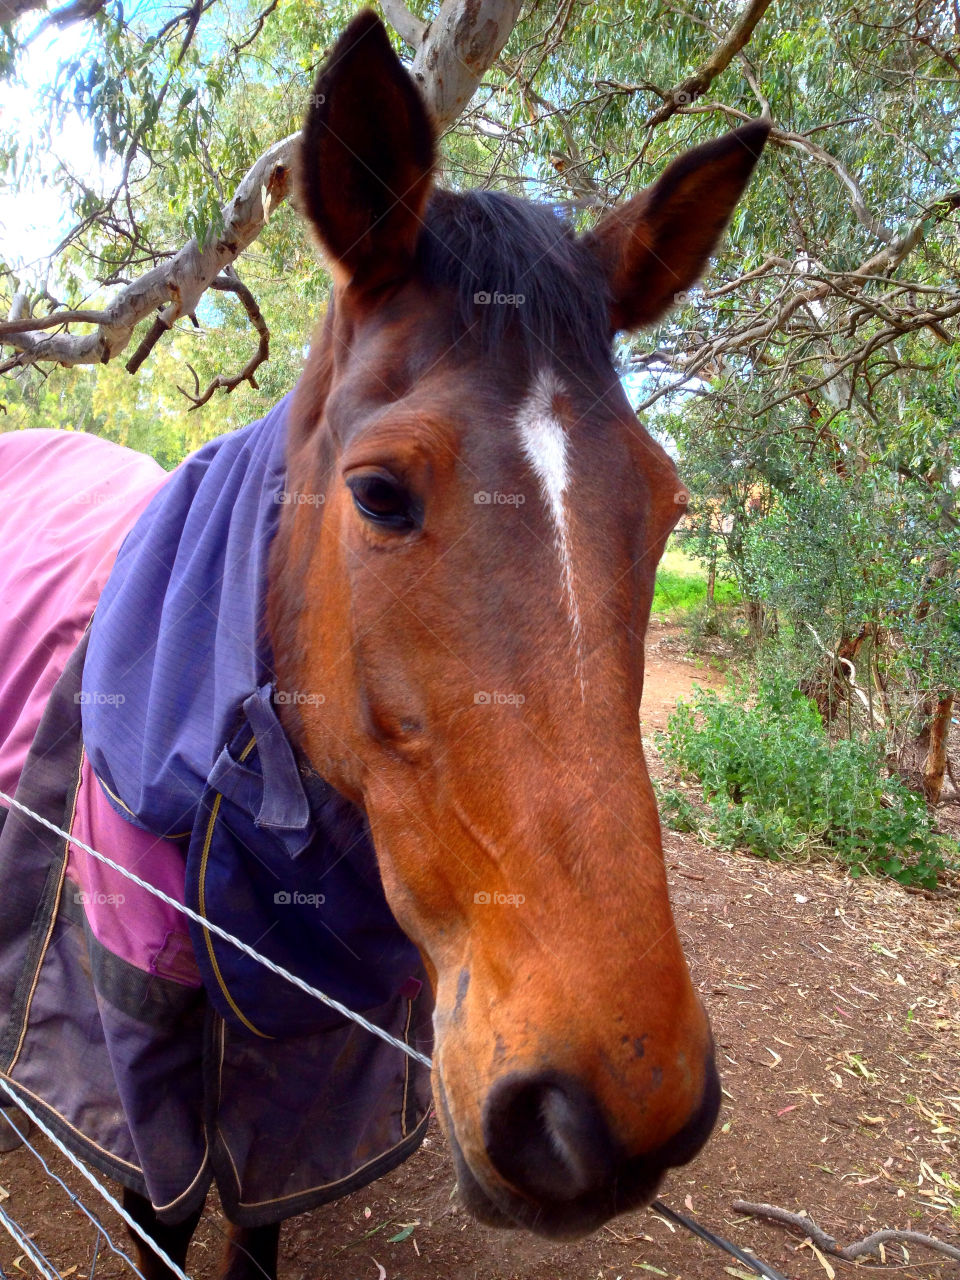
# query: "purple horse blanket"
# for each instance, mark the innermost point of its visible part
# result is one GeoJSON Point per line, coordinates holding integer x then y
{"type": "Point", "coordinates": [157, 1052]}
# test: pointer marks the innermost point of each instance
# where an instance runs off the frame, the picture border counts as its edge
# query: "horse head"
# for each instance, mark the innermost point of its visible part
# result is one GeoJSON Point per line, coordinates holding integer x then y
{"type": "Point", "coordinates": [468, 588]}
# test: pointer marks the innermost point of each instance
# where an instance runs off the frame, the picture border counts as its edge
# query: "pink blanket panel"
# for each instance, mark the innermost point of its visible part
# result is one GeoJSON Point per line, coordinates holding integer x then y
{"type": "Point", "coordinates": [127, 920]}
{"type": "Point", "coordinates": [66, 501]}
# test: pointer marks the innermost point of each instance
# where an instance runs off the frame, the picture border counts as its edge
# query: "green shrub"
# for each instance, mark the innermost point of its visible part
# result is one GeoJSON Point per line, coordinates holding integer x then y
{"type": "Point", "coordinates": [774, 783]}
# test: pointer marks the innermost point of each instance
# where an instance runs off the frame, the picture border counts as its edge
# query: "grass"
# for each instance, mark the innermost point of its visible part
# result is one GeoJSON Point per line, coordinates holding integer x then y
{"type": "Point", "coordinates": [682, 585]}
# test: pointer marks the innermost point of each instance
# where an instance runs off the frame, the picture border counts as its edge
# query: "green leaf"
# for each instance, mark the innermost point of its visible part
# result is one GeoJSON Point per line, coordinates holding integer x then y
{"type": "Point", "coordinates": [404, 1234]}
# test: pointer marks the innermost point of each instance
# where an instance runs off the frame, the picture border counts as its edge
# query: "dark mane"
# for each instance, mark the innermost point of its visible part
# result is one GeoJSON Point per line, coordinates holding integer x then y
{"type": "Point", "coordinates": [489, 242]}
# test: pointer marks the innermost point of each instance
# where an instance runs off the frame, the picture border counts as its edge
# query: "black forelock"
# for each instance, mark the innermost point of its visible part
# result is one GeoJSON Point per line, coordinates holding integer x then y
{"type": "Point", "coordinates": [487, 242]}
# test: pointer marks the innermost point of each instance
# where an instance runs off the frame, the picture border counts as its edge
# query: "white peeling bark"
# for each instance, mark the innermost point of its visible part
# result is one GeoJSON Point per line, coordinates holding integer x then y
{"type": "Point", "coordinates": [178, 284]}
{"type": "Point", "coordinates": [459, 47]}
{"type": "Point", "coordinates": [452, 55]}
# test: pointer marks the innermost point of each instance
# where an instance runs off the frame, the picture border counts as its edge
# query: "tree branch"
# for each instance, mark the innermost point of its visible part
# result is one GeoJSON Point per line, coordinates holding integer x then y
{"type": "Point", "coordinates": [411, 29]}
{"type": "Point", "coordinates": [453, 54]}
{"type": "Point", "coordinates": [801, 142]}
{"type": "Point", "coordinates": [869, 1244]}
{"type": "Point", "coordinates": [230, 282]}
{"type": "Point", "coordinates": [461, 44]}
{"type": "Point", "coordinates": [735, 40]}
{"type": "Point", "coordinates": [178, 284]}
{"type": "Point", "coordinates": [30, 323]}
{"type": "Point", "coordinates": [10, 10]}
{"type": "Point", "coordinates": [778, 314]}
{"type": "Point", "coordinates": [77, 11]}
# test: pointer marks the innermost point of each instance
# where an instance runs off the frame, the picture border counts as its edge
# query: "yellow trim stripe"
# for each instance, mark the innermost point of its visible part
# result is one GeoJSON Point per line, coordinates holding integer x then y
{"type": "Point", "coordinates": [52, 924]}
{"type": "Point", "coordinates": [176, 835]}
{"type": "Point", "coordinates": [407, 1063]}
{"type": "Point", "coordinates": [208, 939]}
{"type": "Point", "coordinates": [323, 1186]}
{"type": "Point", "coordinates": [328, 1186]}
{"type": "Point", "coordinates": [17, 1084]}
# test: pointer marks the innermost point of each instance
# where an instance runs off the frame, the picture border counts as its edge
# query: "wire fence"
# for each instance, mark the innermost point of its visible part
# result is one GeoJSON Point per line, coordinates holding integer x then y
{"type": "Point", "coordinates": [15, 1230]}
{"type": "Point", "coordinates": [101, 1234]}
{"type": "Point", "coordinates": [102, 1237]}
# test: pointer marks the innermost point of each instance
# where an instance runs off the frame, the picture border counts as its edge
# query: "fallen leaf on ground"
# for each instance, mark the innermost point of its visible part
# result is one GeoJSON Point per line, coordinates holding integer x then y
{"type": "Point", "coordinates": [831, 1273]}
{"type": "Point", "coordinates": [406, 1231]}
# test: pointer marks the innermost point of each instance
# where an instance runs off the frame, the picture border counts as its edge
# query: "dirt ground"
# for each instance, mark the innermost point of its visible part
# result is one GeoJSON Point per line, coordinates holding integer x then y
{"type": "Point", "coordinates": [836, 1008]}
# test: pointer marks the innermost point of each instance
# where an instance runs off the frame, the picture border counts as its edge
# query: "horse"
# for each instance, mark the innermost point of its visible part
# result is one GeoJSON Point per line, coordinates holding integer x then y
{"type": "Point", "coordinates": [465, 519]}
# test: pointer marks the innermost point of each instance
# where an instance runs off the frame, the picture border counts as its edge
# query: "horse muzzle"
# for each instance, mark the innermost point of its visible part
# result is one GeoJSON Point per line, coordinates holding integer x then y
{"type": "Point", "coordinates": [553, 1164]}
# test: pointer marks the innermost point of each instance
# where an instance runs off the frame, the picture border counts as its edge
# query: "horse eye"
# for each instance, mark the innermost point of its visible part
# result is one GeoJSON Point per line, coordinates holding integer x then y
{"type": "Point", "coordinates": [383, 501]}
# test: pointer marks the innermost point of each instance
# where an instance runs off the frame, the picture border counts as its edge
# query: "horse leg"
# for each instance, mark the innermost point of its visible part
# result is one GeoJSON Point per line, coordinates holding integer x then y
{"type": "Point", "coordinates": [9, 1138]}
{"type": "Point", "coordinates": [252, 1253]}
{"type": "Point", "coordinates": [173, 1240]}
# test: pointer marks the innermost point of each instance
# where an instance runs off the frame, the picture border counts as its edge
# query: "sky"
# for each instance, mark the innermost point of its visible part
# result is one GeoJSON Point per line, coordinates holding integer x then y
{"type": "Point", "coordinates": [34, 219]}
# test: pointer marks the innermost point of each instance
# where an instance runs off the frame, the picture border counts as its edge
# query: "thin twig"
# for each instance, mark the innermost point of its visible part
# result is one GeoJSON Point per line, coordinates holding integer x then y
{"type": "Point", "coordinates": [701, 80]}
{"type": "Point", "coordinates": [230, 282]}
{"type": "Point", "coordinates": [869, 1244]}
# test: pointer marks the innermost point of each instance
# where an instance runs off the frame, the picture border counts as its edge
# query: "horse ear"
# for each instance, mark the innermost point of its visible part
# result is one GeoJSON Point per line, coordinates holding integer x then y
{"type": "Point", "coordinates": [656, 245]}
{"type": "Point", "coordinates": [366, 156]}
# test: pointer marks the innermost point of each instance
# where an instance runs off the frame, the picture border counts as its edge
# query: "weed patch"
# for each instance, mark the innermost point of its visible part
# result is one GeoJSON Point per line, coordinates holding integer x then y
{"type": "Point", "coordinates": [775, 783]}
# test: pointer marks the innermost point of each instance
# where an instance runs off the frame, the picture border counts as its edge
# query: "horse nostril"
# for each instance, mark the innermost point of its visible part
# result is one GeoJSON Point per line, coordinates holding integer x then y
{"type": "Point", "coordinates": [547, 1136]}
{"type": "Point", "coordinates": [685, 1144]}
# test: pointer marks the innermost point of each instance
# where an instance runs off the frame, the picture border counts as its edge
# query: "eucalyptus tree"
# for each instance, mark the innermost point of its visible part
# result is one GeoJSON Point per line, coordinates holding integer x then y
{"type": "Point", "coordinates": [847, 245]}
{"type": "Point", "coordinates": [823, 343]}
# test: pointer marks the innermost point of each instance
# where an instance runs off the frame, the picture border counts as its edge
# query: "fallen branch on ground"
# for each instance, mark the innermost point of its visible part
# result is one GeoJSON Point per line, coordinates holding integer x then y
{"type": "Point", "coordinates": [869, 1244]}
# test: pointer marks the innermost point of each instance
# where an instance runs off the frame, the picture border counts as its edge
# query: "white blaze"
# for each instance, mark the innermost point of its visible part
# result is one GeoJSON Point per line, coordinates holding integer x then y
{"type": "Point", "coordinates": [545, 447]}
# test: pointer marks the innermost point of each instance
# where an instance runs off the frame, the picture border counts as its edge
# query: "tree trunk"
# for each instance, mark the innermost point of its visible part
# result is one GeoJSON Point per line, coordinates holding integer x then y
{"type": "Point", "coordinates": [756, 616]}
{"type": "Point", "coordinates": [850, 646]}
{"type": "Point", "coordinates": [712, 581]}
{"type": "Point", "coordinates": [935, 765]}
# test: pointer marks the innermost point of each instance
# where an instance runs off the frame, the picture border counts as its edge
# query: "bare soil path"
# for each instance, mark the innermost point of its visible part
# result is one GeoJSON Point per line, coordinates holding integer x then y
{"type": "Point", "coordinates": [836, 1008]}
